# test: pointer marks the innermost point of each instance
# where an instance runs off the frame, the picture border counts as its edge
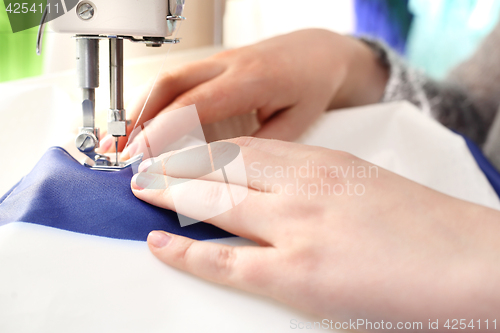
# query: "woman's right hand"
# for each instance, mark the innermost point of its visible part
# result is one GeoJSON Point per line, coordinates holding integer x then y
{"type": "Point", "coordinates": [289, 80]}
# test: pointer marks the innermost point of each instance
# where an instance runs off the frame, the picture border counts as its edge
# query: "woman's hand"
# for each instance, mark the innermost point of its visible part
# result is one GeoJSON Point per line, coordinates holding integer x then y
{"type": "Point", "coordinates": [290, 80]}
{"type": "Point", "coordinates": [338, 236]}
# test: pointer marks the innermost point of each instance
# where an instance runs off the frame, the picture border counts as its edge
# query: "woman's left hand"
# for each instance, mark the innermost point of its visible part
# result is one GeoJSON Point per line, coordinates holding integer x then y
{"type": "Point", "coordinates": [344, 239]}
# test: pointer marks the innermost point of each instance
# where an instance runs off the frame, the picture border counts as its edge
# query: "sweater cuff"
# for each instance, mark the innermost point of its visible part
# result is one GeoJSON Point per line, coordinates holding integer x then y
{"type": "Point", "coordinates": [404, 82]}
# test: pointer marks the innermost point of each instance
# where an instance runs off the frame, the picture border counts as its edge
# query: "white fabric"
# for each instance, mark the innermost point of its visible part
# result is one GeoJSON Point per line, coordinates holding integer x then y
{"type": "Point", "coordinates": [58, 281]}
{"type": "Point", "coordinates": [398, 137]}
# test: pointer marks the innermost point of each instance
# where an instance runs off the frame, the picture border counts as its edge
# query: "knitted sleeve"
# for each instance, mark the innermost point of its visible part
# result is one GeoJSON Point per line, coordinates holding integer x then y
{"type": "Point", "coordinates": [446, 101]}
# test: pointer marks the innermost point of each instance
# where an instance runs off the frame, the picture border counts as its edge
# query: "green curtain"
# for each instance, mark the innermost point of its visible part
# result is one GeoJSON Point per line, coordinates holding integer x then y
{"type": "Point", "coordinates": [18, 58]}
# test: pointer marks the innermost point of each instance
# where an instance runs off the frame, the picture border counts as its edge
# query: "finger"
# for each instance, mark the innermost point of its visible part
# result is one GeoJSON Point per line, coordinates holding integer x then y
{"type": "Point", "coordinates": [234, 208]}
{"type": "Point", "coordinates": [215, 100]}
{"type": "Point", "coordinates": [163, 133]}
{"type": "Point", "coordinates": [287, 125]}
{"type": "Point", "coordinates": [225, 96]}
{"type": "Point", "coordinates": [221, 161]}
{"type": "Point", "coordinates": [172, 84]}
{"type": "Point", "coordinates": [245, 267]}
{"type": "Point", "coordinates": [275, 147]}
{"type": "Point", "coordinates": [169, 86]}
{"type": "Point", "coordinates": [107, 145]}
{"type": "Point", "coordinates": [271, 146]}
{"type": "Point", "coordinates": [153, 165]}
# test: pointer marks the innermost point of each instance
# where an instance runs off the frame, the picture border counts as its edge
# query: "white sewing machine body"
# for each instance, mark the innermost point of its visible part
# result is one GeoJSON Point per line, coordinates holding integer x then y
{"type": "Point", "coordinates": [148, 22]}
{"type": "Point", "coordinates": [122, 17]}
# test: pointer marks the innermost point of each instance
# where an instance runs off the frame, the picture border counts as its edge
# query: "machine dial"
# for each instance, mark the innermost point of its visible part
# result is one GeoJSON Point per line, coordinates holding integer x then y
{"type": "Point", "coordinates": [86, 142]}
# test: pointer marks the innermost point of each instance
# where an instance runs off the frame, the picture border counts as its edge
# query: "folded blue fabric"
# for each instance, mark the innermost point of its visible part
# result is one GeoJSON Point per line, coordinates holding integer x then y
{"type": "Point", "coordinates": [61, 193]}
{"type": "Point", "coordinates": [484, 164]}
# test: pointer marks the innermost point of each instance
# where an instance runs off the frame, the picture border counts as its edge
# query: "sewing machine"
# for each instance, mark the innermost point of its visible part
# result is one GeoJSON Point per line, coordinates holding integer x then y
{"type": "Point", "coordinates": [146, 21]}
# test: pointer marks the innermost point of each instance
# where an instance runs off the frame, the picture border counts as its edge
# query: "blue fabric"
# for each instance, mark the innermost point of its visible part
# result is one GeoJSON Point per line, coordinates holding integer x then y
{"type": "Point", "coordinates": [488, 169]}
{"type": "Point", "coordinates": [388, 20]}
{"type": "Point", "coordinates": [61, 193]}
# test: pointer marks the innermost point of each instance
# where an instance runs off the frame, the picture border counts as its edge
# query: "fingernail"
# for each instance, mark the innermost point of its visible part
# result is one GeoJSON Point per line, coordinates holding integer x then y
{"type": "Point", "coordinates": [106, 143]}
{"type": "Point", "coordinates": [131, 149]}
{"type": "Point", "coordinates": [143, 167]}
{"type": "Point", "coordinates": [159, 239]}
{"type": "Point", "coordinates": [140, 181]}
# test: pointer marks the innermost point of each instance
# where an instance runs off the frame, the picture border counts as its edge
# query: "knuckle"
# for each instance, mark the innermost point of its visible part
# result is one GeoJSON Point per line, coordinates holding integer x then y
{"type": "Point", "coordinates": [223, 261]}
{"type": "Point", "coordinates": [165, 193]}
{"type": "Point", "coordinates": [214, 95]}
{"type": "Point", "coordinates": [226, 54]}
{"type": "Point", "coordinates": [186, 99]}
{"type": "Point", "coordinates": [297, 210]}
{"type": "Point", "coordinates": [213, 197]}
{"type": "Point", "coordinates": [169, 77]}
{"type": "Point", "coordinates": [198, 95]}
{"type": "Point", "coordinates": [343, 155]}
{"type": "Point", "coordinates": [181, 253]}
{"type": "Point", "coordinates": [244, 141]}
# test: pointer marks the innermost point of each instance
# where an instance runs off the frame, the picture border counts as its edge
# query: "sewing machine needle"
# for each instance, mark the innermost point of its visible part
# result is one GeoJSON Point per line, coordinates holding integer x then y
{"type": "Point", "coordinates": [116, 150]}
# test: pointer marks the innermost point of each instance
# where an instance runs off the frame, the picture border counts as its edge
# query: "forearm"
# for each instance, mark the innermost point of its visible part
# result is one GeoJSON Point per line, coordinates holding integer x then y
{"type": "Point", "coordinates": [476, 260]}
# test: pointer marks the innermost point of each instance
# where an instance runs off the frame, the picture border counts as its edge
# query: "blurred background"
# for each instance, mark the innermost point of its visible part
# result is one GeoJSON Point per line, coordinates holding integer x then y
{"type": "Point", "coordinates": [433, 35]}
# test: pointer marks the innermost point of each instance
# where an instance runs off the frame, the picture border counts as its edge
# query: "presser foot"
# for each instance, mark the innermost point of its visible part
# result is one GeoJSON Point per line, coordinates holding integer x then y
{"type": "Point", "coordinates": [103, 163]}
